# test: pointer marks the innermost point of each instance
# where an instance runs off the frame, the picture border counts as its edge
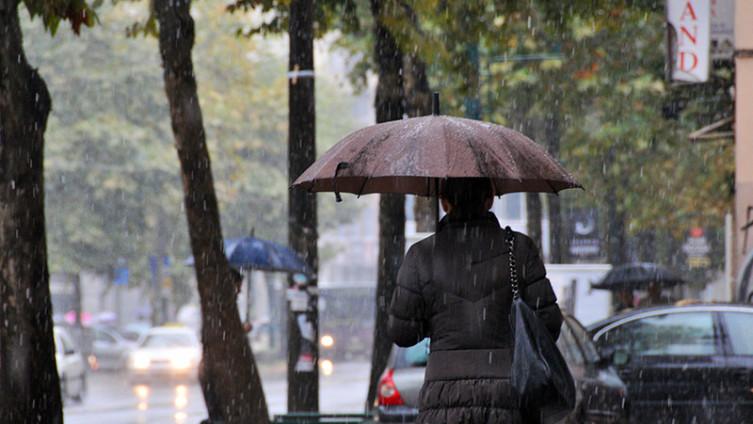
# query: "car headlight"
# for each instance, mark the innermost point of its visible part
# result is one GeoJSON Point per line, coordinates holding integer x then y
{"type": "Point", "coordinates": [327, 367]}
{"type": "Point", "coordinates": [140, 361]}
{"type": "Point", "coordinates": [180, 363]}
{"type": "Point", "coordinates": [327, 341]}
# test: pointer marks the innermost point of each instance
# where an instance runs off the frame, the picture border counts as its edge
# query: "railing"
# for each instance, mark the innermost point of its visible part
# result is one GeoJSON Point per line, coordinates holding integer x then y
{"type": "Point", "coordinates": [316, 418]}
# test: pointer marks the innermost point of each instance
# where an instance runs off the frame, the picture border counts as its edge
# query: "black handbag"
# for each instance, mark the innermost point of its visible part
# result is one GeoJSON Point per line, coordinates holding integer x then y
{"type": "Point", "coordinates": [539, 374]}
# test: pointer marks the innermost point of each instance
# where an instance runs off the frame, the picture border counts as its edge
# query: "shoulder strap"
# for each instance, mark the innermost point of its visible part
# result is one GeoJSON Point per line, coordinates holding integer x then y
{"type": "Point", "coordinates": [513, 263]}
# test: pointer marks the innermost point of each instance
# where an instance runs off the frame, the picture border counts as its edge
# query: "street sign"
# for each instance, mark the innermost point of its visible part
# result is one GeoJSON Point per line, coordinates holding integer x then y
{"type": "Point", "coordinates": [722, 29]}
{"type": "Point", "coordinates": [584, 233]}
{"type": "Point", "coordinates": [697, 249]}
{"type": "Point", "coordinates": [689, 41]}
{"type": "Point", "coordinates": [120, 276]}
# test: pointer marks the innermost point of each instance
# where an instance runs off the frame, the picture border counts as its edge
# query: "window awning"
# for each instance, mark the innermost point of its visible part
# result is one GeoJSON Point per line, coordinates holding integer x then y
{"type": "Point", "coordinates": [719, 130]}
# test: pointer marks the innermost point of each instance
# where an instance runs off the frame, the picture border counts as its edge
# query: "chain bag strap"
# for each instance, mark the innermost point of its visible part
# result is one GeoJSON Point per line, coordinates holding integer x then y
{"type": "Point", "coordinates": [539, 373]}
{"type": "Point", "coordinates": [513, 264]}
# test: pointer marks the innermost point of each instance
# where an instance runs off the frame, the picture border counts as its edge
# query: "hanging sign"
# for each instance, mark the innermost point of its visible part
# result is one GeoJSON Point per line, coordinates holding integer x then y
{"type": "Point", "coordinates": [690, 23]}
{"type": "Point", "coordinates": [722, 29]}
{"type": "Point", "coordinates": [299, 300]}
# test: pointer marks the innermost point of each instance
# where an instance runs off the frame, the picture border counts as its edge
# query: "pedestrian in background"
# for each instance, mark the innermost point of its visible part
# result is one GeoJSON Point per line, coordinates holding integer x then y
{"type": "Point", "coordinates": [454, 287]}
{"type": "Point", "coordinates": [625, 300]}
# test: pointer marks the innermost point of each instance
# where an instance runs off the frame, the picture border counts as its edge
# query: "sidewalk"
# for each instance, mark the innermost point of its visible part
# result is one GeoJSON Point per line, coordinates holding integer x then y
{"type": "Point", "coordinates": [111, 399]}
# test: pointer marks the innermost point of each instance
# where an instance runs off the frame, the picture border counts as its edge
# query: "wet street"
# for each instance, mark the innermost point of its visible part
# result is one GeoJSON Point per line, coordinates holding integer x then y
{"type": "Point", "coordinates": [112, 400]}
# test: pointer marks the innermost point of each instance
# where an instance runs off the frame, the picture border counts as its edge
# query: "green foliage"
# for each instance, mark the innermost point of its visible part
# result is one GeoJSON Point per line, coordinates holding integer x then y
{"type": "Point", "coordinates": [609, 90]}
{"type": "Point", "coordinates": [113, 187]}
{"type": "Point", "coordinates": [597, 69]}
{"type": "Point", "coordinates": [620, 140]}
{"type": "Point", "coordinates": [331, 15]}
{"type": "Point", "coordinates": [52, 12]}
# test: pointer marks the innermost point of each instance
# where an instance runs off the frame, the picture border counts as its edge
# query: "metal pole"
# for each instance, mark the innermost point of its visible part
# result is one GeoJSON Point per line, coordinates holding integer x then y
{"type": "Point", "coordinates": [728, 253]}
{"type": "Point", "coordinates": [248, 295]}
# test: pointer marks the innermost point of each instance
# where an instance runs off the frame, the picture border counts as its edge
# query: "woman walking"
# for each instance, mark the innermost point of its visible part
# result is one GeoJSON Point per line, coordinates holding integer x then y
{"type": "Point", "coordinates": [454, 287]}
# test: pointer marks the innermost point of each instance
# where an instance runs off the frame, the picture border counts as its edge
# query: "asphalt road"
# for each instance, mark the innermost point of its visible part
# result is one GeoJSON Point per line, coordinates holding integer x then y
{"type": "Point", "coordinates": [112, 400]}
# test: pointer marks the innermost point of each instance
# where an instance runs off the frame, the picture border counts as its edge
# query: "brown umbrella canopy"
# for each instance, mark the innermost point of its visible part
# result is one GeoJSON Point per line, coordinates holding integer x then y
{"type": "Point", "coordinates": [414, 156]}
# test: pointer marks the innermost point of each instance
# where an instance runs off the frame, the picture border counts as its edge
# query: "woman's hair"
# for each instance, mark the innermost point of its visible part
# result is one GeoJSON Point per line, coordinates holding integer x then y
{"type": "Point", "coordinates": [467, 194]}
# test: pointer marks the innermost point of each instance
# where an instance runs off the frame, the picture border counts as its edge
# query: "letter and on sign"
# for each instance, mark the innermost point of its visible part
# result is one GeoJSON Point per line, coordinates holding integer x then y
{"type": "Point", "coordinates": [690, 21]}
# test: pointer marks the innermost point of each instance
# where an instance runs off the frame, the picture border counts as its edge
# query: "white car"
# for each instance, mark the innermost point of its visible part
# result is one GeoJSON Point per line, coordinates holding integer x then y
{"type": "Point", "coordinates": [165, 353]}
{"type": "Point", "coordinates": [71, 365]}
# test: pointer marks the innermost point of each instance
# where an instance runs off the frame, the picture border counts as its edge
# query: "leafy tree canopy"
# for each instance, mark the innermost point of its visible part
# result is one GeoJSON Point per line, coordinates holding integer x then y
{"type": "Point", "coordinates": [113, 187]}
{"type": "Point", "coordinates": [52, 12]}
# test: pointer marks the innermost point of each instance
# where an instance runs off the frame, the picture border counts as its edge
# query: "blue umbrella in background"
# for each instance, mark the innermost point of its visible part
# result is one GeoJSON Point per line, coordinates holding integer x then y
{"type": "Point", "coordinates": [251, 253]}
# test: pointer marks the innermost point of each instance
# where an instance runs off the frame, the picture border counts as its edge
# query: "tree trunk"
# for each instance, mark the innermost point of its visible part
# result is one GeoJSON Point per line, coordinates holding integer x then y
{"type": "Point", "coordinates": [472, 82]}
{"type": "Point", "coordinates": [616, 232]}
{"type": "Point", "coordinates": [533, 200]}
{"type": "Point", "coordinates": [552, 136]}
{"type": "Point", "coordinates": [229, 377]}
{"type": "Point", "coordinates": [533, 218]}
{"type": "Point", "coordinates": [303, 386]}
{"type": "Point", "coordinates": [29, 384]}
{"type": "Point", "coordinates": [418, 103]}
{"type": "Point", "coordinates": [416, 83]}
{"type": "Point", "coordinates": [389, 104]}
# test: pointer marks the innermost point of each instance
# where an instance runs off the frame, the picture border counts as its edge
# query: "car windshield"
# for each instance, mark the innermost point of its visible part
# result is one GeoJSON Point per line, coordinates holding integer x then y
{"type": "Point", "coordinates": [665, 335]}
{"type": "Point", "coordinates": [168, 340]}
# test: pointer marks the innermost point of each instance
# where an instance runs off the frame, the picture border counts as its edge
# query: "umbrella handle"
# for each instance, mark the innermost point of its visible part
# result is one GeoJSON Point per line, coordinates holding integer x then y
{"type": "Point", "coordinates": [340, 166]}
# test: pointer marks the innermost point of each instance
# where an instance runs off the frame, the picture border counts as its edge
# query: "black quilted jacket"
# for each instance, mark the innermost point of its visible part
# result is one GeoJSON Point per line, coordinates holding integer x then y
{"type": "Point", "coordinates": [454, 288]}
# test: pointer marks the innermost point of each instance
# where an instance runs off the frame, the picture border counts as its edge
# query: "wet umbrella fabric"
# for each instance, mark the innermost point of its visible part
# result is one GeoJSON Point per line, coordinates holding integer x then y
{"type": "Point", "coordinates": [637, 276]}
{"type": "Point", "coordinates": [414, 156]}
{"type": "Point", "coordinates": [251, 253]}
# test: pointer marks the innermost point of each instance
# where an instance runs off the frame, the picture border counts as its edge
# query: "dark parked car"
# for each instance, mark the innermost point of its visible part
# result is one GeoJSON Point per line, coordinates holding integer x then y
{"type": "Point", "coordinates": [683, 364]}
{"type": "Point", "coordinates": [397, 393]}
{"type": "Point", "coordinates": [601, 395]}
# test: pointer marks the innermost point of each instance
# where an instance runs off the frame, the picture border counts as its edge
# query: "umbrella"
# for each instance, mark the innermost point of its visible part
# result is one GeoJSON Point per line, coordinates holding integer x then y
{"type": "Point", "coordinates": [251, 253]}
{"type": "Point", "coordinates": [636, 276]}
{"type": "Point", "coordinates": [415, 156]}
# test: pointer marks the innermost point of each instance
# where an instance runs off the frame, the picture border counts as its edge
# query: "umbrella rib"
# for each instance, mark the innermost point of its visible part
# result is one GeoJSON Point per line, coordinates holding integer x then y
{"type": "Point", "coordinates": [479, 164]}
{"type": "Point", "coordinates": [446, 155]}
{"type": "Point", "coordinates": [513, 162]}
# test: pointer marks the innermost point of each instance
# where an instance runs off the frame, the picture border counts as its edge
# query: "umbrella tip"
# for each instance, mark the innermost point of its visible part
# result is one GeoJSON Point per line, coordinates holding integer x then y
{"type": "Point", "coordinates": [435, 104]}
{"type": "Point", "coordinates": [253, 232]}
